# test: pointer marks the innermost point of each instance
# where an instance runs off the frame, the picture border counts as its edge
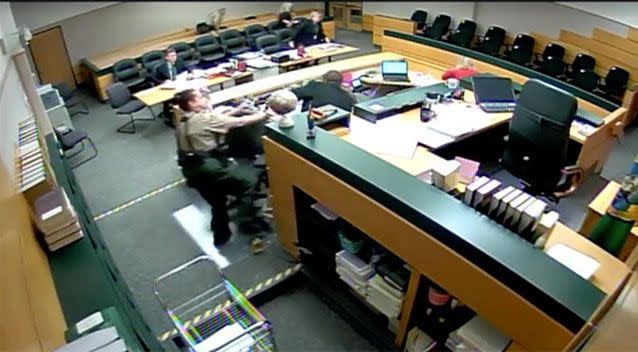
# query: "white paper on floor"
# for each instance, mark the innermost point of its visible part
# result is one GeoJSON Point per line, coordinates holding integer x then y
{"type": "Point", "coordinates": [196, 223]}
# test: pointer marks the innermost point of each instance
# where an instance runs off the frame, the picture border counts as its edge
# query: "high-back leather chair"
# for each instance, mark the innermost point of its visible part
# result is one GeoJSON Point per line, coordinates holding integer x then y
{"type": "Point", "coordinates": [129, 73]}
{"type": "Point", "coordinates": [234, 42]}
{"type": "Point", "coordinates": [492, 41]}
{"type": "Point", "coordinates": [419, 17]}
{"type": "Point", "coordinates": [438, 28]}
{"type": "Point", "coordinates": [269, 44]}
{"type": "Point", "coordinates": [463, 34]}
{"type": "Point", "coordinates": [209, 49]}
{"type": "Point", "coordinates": [521, 50]}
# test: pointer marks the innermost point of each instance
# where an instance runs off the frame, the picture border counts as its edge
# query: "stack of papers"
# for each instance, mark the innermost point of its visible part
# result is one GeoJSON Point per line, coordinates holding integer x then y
{"type": "Point", "coordinates": [56, 219]}
{"type": "Point", "coordinates": [420, 79]}
{"type": "Point", "coordinates": [477, 335]}
{"type": "Point", "coordinates": [31, 170]}
{"type": "Point", "coordinates": [583, 265]}
{"type": "Point", "coordinates": [384, 297]}
{"type": "Point", "coordinates": [457, 119]}
{"type": "Point", "coordinates": [104, 340]}
{"type": "Point", "coordinates": [384, 137]}
{"type": "Point", "coordinates": [353, 271]}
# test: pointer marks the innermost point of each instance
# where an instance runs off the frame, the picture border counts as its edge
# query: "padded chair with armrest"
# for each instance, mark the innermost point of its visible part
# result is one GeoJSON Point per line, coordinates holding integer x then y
{"type": "Point", "coordinates": [152, 59]}
{"type": "Point", "coordinates": [492, 42]}
{"type": "Point", "coordinates": [128, 72]}
{"type": "Point", "coordinates": [614, 84]}
{"type": "Point", "coordinates": [585, 79]}
{"type": "Point", "coordinates": [437, 29]}
{"type": "Point", "coordinates": [69, 139]}
{"type": "Point", "coordinates": [463, 34]}
{"type": "Point", "coordinates": [254, 31]}
{"type": "Point", "coordinates": [521, 50]}
{"type": "Point", "coordinates": [186, 53]}
{"type": "Point", "coordinates": [269, 44]}
{"type": "Point", "coordinates": [581, 62]}
{"type": "Point", "coordinates": [551, 49]}
{"type": "Point", "coordinates": [234, 42]}
{"type": "Point", "coordinates": [551, 66]}
{"type": "Point", "coordinates": [209, 49]}
{"type": "Point", "coordinates": [536, 147]}
{"type": "Point", "coordinates": [419, 17]}
{"type": "Point", "coordinates": [121, 99]}
{"type": "Point", "coordinates": [284, 36]}
{"type": "Point", "coordinates": [71, 99]}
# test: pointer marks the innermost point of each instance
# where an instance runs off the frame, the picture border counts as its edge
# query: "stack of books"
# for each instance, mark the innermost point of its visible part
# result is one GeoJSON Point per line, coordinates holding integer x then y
{"type": "Point", "coordinates": [353, 271]}
{"type": "Point", "coordinates": [31, 170]}
{"type": "Point", "coordinates": [385, 296]}
{"type": "Point", "coordinates": [56, 219]}
{"type": "Point", "coordinates": [477, 335]}
{"type": "Point", "coordinates": [103, 340]}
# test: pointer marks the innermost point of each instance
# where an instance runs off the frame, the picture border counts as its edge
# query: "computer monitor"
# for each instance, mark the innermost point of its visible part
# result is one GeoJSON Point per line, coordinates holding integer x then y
{"type": "Point", "coordinates": [394, 68]}
{"type": "Point", "coordinates": [488, 89]}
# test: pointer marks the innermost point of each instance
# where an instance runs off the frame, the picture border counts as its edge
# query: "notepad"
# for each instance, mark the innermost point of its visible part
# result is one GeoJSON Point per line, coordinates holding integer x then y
{"type": "Point", "coordinates": [583, 265]}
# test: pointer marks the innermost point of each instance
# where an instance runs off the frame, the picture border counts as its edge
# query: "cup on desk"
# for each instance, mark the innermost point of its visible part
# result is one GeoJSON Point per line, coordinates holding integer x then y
{"type": "Point", "coordinates": [452, 83]}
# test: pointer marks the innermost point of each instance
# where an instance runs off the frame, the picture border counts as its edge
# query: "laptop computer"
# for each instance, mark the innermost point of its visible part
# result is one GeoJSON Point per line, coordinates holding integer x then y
{"type": "Point", "coordinates": [494, 94]}
{"type": "Point", "coordinates": [357, 85]}
{"type": "Point", "coordinates": [395, 70]}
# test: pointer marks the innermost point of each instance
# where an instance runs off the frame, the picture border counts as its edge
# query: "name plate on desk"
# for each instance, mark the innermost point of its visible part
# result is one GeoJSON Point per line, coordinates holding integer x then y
{"type": "Point", "coordinates": [379, 108]}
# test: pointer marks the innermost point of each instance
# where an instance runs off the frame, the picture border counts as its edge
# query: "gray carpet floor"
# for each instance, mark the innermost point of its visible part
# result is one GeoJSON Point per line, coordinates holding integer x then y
{"type": "Point", "coordinates": [145, 240]}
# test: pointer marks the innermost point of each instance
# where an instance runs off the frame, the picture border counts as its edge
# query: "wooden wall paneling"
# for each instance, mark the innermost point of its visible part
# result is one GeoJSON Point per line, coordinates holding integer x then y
{"type": "Point", "coordinates": [329, 29]}
{"type": "Point", "coordinates": [615, 40]}
{"type": "Point", "coordinates": [381, 23]}
{"type": "Point", "coordinates": [623, 58]}
{"type": "Point", "coordinates": [633, 34]}
{"type": "Point", "coordinates": [367, 22]}
{"type": "Point", "coordinates": [600, 143]}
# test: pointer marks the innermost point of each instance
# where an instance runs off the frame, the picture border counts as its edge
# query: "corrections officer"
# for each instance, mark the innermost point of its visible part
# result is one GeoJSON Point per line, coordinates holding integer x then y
{"type": "Point", "coordinates": [200, 137]}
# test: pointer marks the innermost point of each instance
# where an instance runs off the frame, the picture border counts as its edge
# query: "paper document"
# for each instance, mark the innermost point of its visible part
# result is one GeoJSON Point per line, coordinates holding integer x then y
{"type": "Point", "coordinates": [249, 55]}
{"type": "Point", "coordinates": [581, 264]}
{"type": "Point", "coordinates": [388, 138]}
{"type": "Point", "coordinates": [432, 138]}
{"type": "Point", "coordinates": [456, 119]}
{"type": "Point", "coordinates": [422, 79]}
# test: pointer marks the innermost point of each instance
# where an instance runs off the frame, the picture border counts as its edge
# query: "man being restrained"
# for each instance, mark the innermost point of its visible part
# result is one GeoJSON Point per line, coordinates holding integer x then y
{"type": "Point", "coordinates": [200, 137]}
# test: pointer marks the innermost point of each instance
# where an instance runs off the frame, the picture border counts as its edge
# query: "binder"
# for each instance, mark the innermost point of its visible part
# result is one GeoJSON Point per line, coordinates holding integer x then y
{"type": "Point", "coordinates": [472, 187]}
{"type": "Point", "coordinates": [511, 207]}
{"type": "Point", "coordinates": [497, 198]}
{"type": "Point", "coordinates": [518, 211]}
{"type": "Point", "coordinates": [546, 224]}
{"type": "Point", "coordinates": [502, 207]}
{"type": "Point", "coordinates": [483, 195]}
{"type": "Point", "coordinates": [531, 216]}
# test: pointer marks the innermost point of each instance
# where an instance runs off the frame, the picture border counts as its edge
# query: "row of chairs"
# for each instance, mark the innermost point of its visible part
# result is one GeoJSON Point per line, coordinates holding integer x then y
{"type": "Point", "coordinates": [206, 51]}
{"type": "Point", "coordinates": [551, 61]}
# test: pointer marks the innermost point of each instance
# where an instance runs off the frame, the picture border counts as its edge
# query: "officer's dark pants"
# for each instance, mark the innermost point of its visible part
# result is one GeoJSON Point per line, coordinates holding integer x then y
{"type": "Point", "coordinates": [215, 182]}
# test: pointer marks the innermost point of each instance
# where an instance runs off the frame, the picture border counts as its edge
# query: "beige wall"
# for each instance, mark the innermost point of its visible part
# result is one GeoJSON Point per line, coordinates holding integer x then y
{"type": "Point", "coordinates": [126, 23]}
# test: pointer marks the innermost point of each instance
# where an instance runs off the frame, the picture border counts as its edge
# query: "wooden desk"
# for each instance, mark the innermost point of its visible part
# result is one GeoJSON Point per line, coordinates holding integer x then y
{"type": "Point", "coordinates": [317, 53]}
{"type": "Point", "coordinates": [597, 208]}
{"type": "Point", "coordinates": [157, 94]}
{"type": "Point", "coordinates": [377, 80]}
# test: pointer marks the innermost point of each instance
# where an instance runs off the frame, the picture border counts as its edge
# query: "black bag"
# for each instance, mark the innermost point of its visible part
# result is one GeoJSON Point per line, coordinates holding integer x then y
{"type": "Point", "coordinates": [203, 27]}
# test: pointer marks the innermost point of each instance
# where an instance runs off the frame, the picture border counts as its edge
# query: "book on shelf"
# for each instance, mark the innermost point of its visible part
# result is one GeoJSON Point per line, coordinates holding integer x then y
{"type": "Point", "coordinates": [505, 203]}
{"type": "Point", "coordinates": [531, 216]}
{"type": "Point", "coordinates": [497, 198]}
{"type": "Point", "coordinates": [518, 211]}
{"type": "Point", "coordinates": [482, 196]}
{"type": "Point", "coordinates": [472, 187]}
{"type": "Point", "coordinates": [511, 208]}
{"type": "Point", "coordinates": [62, 233]}
{"type": "Point", "coordinates": [65, 241]}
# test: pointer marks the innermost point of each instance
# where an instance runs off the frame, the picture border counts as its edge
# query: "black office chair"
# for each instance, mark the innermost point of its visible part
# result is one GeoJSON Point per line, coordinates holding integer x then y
{"type": "Point", "coordinates": [254, 31]}
{"type": "Point", "coordinates": [234, 42]}
{"type": "Point", "coordinates": [521, 50]}
{"type": "Point", "coordinates": [152, 59]}
{"type": "Point", "coordinates": [284, 36]}
{"type": "Point", "coordinates": [551, 49]}
{"type": "Point", "coordinates": [536, 147]}
{"type": "Point", "coordinates": [127, 71]}
{"type": "Point", "coordinates": [209, 49]}
{"type": "Point", "coordinates": [269, 44]}
{"type": "Point", "coordinates": [69, 139]}
{"type": "Point", "coordinates": [437, 29]}
{"type": "Point", "coordinates": [186, 53]}
{"type": "Point", "coordinates": [492, 42]}
{"type": "Point", "coordinates": [71, 99]}
{"type": "Point", "coordinates": [581, 62]}
{"type": "Point", "coordinates": [463, 34]}
{"type": "Point", "coordinates": [614, 84]}
{"type": "Point", "coordinates": [551, 66]}
{"type": "Point", "coordinates": [419, 17]}
{"type": "Point", "coordinates": [121, 99]}
{"type": "Point", "coordinates": [585, 79]}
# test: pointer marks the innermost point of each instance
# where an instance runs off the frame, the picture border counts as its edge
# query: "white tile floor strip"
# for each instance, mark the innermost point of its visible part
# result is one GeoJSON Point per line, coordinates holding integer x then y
{"type": "Point", "coordinates": [196, 223]}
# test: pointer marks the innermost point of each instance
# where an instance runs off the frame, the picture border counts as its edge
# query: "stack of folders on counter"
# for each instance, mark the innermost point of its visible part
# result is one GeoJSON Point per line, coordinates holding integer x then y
{"type": "Point", "coordinates": [477, 335]}
{"type": "Point", "coordinates": [353, 271]}
{"type": "Point", "coordinates": [511, 207]}
{"type": "Point", "coordinates": [103, 340]}
{"type": "Point", "coordinates": [56, 219]}
{"type": "Point", "coordinates": [31, 161]}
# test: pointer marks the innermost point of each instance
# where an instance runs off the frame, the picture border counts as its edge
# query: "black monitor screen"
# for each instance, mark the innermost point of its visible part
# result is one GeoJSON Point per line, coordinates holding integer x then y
{"type": "Point", "coordinates": [493, 89]}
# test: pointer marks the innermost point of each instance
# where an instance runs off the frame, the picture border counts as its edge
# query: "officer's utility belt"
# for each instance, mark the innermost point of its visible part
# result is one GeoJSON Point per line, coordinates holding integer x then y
{"type": "Point", "coordinates": [198, 158]}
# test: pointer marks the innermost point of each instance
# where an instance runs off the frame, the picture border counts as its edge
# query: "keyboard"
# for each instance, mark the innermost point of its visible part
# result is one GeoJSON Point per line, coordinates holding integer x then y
{"type": "Point", "coordinates": [396, 78]}
{"type": "Point", "coordinates": [497, 107]}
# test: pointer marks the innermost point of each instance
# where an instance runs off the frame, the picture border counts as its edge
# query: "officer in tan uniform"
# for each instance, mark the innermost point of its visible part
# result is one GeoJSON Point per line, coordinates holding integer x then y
{"type": "Point", "coordinates": [200, 138]}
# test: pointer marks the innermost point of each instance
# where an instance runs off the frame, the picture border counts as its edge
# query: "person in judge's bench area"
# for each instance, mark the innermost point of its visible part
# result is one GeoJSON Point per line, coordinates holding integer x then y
{"type": "Point", "coordinates": [309, 32]}
{"type": "Point", "coordinates": [168, 71]}
{"type": "Point", "coordinates": [326, 91]}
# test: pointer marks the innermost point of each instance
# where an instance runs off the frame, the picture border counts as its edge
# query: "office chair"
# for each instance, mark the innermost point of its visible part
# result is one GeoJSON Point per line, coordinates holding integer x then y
{"type": "Point", "coordinates": [284, 36]}
{"type": "Point", "coordinates": [254, 31]}
{"type": "Point", "coordinates": [269, 44]}
{"type": "Point", "coordinates": [437, 29]}
{"type": "Point", "coordinates": [491, 43]}
{"type": "Point", "coordinates": [614, 84]}
{"type": "Point", "coordinates": [186, 53]}
{"type": "Point", "coordinates": [71, 100]}
{"type": "Point", "coordinates": [551, 66]}
{"type": "Point", "coordinates": [581, 62]}
{"type": "Point", "coordinates": [234, 42]}
{"type": "Point", "coordinates": [69, 139]}
{"type": "Point", "coordinates": [419, 17]}
{"type": "Point", "coordinates": [536, 147]}
{"type": "Point", "coordinates": [463, 34]}
{"type": "Point", "coordinates": [128, 72]}
{"type": "Point", "coordinates": [209, 49]}
{"type": "Point", "coordinates": [152, 59]}
{"type": "Point", "coordinates": [585, 79]}
{"type": "Point", "coordinates": [121, 99]}
{"type": "Point", "coordinates": [551, 49]}
{"type": "Point", "coordinates": [521, 50]}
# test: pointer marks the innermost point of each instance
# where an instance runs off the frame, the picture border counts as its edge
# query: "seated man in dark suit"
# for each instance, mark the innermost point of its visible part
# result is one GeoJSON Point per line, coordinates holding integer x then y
{"type": "Point", "coordinates": [168, 71]}
{"type": "Point", "coordinates": [309, 32]}
{"type": "Point", "coordinates": [327, 91]}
